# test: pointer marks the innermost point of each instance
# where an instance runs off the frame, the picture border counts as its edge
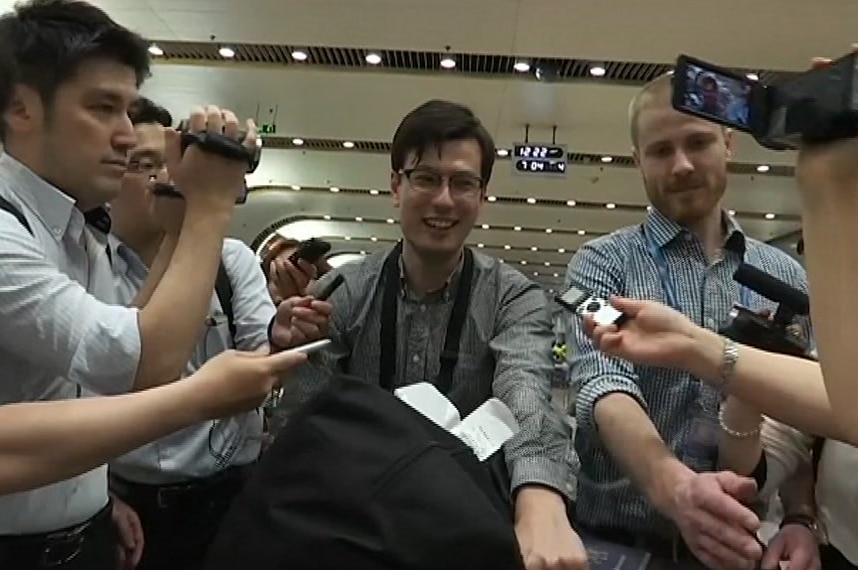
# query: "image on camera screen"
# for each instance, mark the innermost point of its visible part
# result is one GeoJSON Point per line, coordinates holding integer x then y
{"type": "Point", "coordinates": [720, 97]}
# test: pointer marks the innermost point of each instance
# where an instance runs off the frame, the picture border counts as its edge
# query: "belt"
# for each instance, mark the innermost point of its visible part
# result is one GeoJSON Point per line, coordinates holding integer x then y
{"type": "Point", "coordinates": [180, 495]}
{"type": "Point", "coordinates": [659, 546]}
{"type": "Point", "coordinates": [51, 549]}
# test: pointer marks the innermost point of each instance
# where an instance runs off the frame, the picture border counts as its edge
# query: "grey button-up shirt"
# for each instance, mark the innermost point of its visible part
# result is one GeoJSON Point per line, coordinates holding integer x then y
{"type": "Point", "coordinates": [505, 350]}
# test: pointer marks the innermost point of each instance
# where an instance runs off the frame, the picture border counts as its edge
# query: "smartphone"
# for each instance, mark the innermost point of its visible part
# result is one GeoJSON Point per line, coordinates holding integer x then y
{"type": "Point", "coordinates": [310, 347]}
{"type": "Point", "coordinates": [717, 94]}
{"type": "Point", "coordinates": [310, 251]}
{"type": "Point", "coordinates": [582, 303]}
{"type": "Point", "coordinates": [331, 287]}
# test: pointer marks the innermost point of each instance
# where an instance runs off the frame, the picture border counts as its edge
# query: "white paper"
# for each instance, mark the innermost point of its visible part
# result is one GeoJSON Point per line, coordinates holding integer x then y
{"type": "Point", "coordinates": [485, 430]}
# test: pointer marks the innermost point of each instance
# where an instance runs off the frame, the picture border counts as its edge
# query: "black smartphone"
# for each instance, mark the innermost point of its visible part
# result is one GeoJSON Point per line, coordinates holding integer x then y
{"type": "Point", "coordinates": [310, 251]}
{"type": "Point", "coordinates": [717, 94]}
{"type": "Point", "coordinates": [331, 287]}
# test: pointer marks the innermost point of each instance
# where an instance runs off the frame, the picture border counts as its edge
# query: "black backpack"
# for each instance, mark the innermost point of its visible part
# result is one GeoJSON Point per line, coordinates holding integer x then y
{"type": "Point", "coordinates": [358, 480]}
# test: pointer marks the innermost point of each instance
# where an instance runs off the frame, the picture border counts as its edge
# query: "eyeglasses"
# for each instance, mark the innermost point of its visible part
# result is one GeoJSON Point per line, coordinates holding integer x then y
{"type": "Point", "coordinates": [461, 184]}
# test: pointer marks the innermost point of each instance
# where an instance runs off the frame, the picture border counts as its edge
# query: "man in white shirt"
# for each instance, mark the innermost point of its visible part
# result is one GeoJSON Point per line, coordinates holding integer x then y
{"type": "Point", "coordinates": [63, 332]}
{"type": "Point", "coordinates": [182, 485]}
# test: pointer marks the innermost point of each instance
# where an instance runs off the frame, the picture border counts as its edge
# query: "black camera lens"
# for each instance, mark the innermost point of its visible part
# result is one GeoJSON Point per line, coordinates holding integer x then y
{"type": "Point", "coordinates": [593, 306]}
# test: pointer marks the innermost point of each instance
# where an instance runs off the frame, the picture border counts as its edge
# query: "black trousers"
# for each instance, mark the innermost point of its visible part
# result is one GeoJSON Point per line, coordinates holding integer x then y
{"type": "Point", "coordinates": [91, 545]}
{"type": "Point", "coordinates": [832, 559]}
{"type": "Point", "coordinates": [180, 521]}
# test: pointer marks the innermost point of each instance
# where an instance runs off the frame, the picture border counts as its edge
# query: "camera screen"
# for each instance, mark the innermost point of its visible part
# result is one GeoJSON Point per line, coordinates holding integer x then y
{"type": "Point", "coordinates": [723, 98]}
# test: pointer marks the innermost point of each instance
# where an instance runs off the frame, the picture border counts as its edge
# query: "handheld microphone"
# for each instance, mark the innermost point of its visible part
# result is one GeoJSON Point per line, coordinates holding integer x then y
{"type": "Point", "coordinates": [791, 301]}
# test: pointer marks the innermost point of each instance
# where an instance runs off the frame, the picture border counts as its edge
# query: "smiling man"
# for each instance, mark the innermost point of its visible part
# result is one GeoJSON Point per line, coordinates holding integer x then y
{"type": "Point", "coordinates": [441, 162]}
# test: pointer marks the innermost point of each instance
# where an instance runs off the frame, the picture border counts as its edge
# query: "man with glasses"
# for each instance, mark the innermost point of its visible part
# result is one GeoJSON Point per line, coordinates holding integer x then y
{"type": "Point", "coordinates": [398, 309]}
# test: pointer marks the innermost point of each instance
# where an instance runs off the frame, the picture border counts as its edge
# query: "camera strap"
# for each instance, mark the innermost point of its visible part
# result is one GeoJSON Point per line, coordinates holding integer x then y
{"type": "Point", "coordinates": [667, 282]}
{"type": "Point", "coordinates": [391, 274]}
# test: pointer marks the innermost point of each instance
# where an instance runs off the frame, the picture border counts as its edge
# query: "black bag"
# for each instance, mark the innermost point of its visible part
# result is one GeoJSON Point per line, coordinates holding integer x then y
{"type": "Point", "coordinates": [358, 480]}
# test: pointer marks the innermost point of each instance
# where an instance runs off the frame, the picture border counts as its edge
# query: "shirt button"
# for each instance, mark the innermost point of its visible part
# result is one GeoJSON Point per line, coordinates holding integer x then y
{"type": "Point", "coordinates": [415, 358]}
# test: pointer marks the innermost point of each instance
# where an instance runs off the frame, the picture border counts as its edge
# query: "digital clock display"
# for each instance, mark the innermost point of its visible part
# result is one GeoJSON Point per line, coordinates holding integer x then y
{"type": "Point", "coordinates": [539, 159]}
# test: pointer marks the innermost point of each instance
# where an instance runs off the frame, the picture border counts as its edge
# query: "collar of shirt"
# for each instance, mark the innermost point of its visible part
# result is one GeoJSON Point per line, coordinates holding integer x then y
{"type": "Point", "coordinates": [664, 231]}
{"type": "Point", "coordinates": [445, 292]}
{"type": "Point", "coordinates": [125, 260]}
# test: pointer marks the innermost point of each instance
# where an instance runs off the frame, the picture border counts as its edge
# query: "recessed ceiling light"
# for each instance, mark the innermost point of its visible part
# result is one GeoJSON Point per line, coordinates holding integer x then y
{"type": "Point", "coordinates": [531, 200]}
{"type": "Point", "coordinates": [374, 192]}
{"type": "Point", "coordinates": [226, 52]}
{"type": "Point", "coordinates": [556, 275]}
{"type": "Point", "coordinates": [373, 238]}
{"type": "Point", "coordinates": [500, 260]}
{"type": "Point", "coordinates": [295, 187]}
{"type": "Point", "coordinates": [517, 228]}
{"type": "Point", "coordinates": [358, 219]}
{"type": "Point", "coordinates": [481, 245]}
{"type": "Point", "coordinates": [547, 264]}
{"type": "Point", "coordinates": [299, 55]}
{"type": "Point", "coordinates": [502, 152]}
{"type": "Point", "coordinates": [770, 216]}
{"type": "Point", "coordinates": [610, 206]}
{"type": "Point", "coordinates": [155, 50]}
{"type": "Point", "coordinates": [348, 144]}
{"type": "Point", "coordinates": [524, 262]}
{"type": "Point", "coordinates": [347, 238]}
{"type": "Point", "coordinates": [326, 217]}
{"type": "Point", "coordinates": [597, 70]}
{"type": "Point", "coordinates": [507, 247]}
{"type": "Point", "coordinates": [561, 250]}
{"type": "Point", "coordinates": [485, 226]}
{"type": "Point", "coordinates": [373, 58]}
{"type": "Point", "coordinates": [536, 273]}
{"type": "Point", "coordinates": [607, 159]}
{"type": "Point", "coordinates": [334, 189]}
{"type": "Point", "coordinates": [763, 168]}
{"type": "Point", "coordinates": [570, 203]}
{"type": "Point", "coordinates": [448, 62]}
{"type": "Point", "coordinates": [548, 230]}
{"type": "Point", "coordinates": [753, 76]}
{"type": "Point", "coordinates": [492, 199]}
{"type": "Point", "coordinates": [298, 142]}
{"type": "Point", "coordinates": [534, 248]}
{"type": "Point", "coordinates": [521, 66]}
{"type": "Point", "coordinates": [391, 221]}
{"type": "Point", "coordinates": [551, 291]}
{"type": "Point", "coordinates": [731, 212]}
{"type": "Point", "coordinates": [362, 252]}
{"type": "Point", "coordinates": [581, 232]}
{"type": "Point", "coordinates": [649, 208]}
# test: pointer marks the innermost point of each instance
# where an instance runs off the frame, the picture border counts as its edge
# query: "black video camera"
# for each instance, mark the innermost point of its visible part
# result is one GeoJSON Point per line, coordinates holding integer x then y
{"type": "Point", "coordinates": [817, 106]}
{"type": "Point", "coordinates": [225, 147]}
{"type": "Point", "coordinates": [772, 335]}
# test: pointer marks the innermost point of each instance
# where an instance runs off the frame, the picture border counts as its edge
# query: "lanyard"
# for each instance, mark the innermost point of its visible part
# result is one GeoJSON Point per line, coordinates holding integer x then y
{"type": "Point", "coordinates": [667, 282]}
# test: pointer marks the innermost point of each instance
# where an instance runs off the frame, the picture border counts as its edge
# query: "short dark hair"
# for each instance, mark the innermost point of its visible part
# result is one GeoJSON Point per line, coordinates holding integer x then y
{"type": "Point", "coordinates": [48, 40]}
{"type": "Point", "coordinates": [436, 122]}
{"type": "Point", "coordinates": [144, 111]}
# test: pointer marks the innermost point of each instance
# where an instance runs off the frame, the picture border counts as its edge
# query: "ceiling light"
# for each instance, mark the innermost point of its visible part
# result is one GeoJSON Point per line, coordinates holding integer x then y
{"type": "Point", "coordinates": [391, 221]}
{"type": "Point", "coordinates": [517, 228]}
{"type": "Point", "coordinates": [570, 203]}
{"type": "Point", "coordinates": [485, 226]}
{"type": "Point", "coordinates": [521, 66]}
{"type": "Point", "coordinates": [373, 58]}
{"type": "Point", "coordinates": [448, 62]}
{"type": "Point", "coordinates": [500, 260]}
{"type": "Point", "coordinates": [547, 264]}
{"type": "Point", "coordinates": [502, 152]}
{"type": "Point", "coordinates": [373, 238]}
{"type": "Point", "coordinates": [534, 248]}
{"type": "Point", "coordinates": [753, 76]}
{"type": "Point", "coordinates": [226, 52]}
{"type": "Point", "coordinates": [326, 217]}
{"type": "Point", "coordinates": [295, 187]}
{"type": "Point", "coordinates": [362, 252]}
{"type": "Point", "coordinates": [299, 55]}
{"type": "Point", "coordinates": [155, 50]}
{"type": "Point", "coordinates": [610, 206]}
{"type": "Point", "coordinates": [334, 189]}
{"type": "Point", "coordinates": [536, 273]}
{"type": "Point", "coordinates": [731, 212]}
{"type": "Point", "coordinates": [531, 200]}
{"type": "Point", "coordinates": [561, 250]}
{"type": "Point", "coordinates": [607, 159]}
{"type": "Point", "coordinates": [481, 245]}
{"type": "Point", "coordinates": [548, 230]}
{"type": "Point", "coordinates": [507, 247]}
{"type": "Point", "coordinates": [597, 70]}
{"type": "Point", "coordinates": [374, 192]}
{"type": "Point", "coordinates": [492, 199]}
{"type": "Point", "coordinates": [770, 216]}
{"type": "Point", "coordinates": [298, 142]}
{"type": "Point", "coordinates": [551, 291]}
{"type": "Point", "coordinates": [649, 208]}
{"type": "Point", "coordinates": [358, 219]}
{"type": "Point", "coordinates": [581, 232]}
{"type": "Point", "coordinates": [556, 275]}
{"type": "Point", "coordinates": [763, 168]}
{"type": "Point", "coordinates": [348, 144]}
{"type": "Point", "coordinates": [524, 262]}
{"type": "Point", "coordinates": [347, 238]}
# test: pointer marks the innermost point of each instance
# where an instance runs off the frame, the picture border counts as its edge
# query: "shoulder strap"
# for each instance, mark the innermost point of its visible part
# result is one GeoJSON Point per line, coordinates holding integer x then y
{"type": "Point", "coordinates": [452, 337]}
{"type": "Point", "coordinates": [223, 290]}
{"type": "Point", "coordinates": [816, 455]}
{"type": "Point", "coordinates": [12, 209]}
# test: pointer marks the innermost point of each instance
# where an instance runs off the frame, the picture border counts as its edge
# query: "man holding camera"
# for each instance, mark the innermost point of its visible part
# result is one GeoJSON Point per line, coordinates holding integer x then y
{"type": "Point", "coordinates": [181, 485]}
{"type": "Point", "coordinates": [63, 332]}
{"type": "Point", "coordinates": [647, 437]}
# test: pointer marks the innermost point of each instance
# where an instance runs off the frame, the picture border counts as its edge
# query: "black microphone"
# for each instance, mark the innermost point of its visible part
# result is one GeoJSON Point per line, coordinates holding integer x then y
{"type": "Point", "coordinates": [773, 289]}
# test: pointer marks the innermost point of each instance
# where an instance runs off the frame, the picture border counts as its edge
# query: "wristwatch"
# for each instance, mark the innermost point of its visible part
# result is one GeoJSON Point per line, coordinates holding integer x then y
{"type": "Point", "coordinates": [806, 521]}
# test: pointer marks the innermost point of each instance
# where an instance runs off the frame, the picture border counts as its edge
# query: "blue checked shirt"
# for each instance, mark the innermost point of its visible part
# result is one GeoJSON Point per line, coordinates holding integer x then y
{"type": "Point", "coordinates": [623, 263]}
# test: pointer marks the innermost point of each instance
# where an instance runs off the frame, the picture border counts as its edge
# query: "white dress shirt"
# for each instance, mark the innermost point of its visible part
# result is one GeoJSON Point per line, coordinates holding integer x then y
{"type": "Point", "coordinates": [63, 333]}
{"type": "Point", "coordinates": [204, 449]}
{"type": "Point", "coordinates": [836, 488]}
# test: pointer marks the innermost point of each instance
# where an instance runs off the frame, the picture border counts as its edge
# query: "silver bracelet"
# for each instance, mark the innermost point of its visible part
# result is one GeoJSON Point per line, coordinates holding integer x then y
{"type": "Point", "coordinates": [737, 434]}
{"type": "Point", "coordinates": [729, 358]}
